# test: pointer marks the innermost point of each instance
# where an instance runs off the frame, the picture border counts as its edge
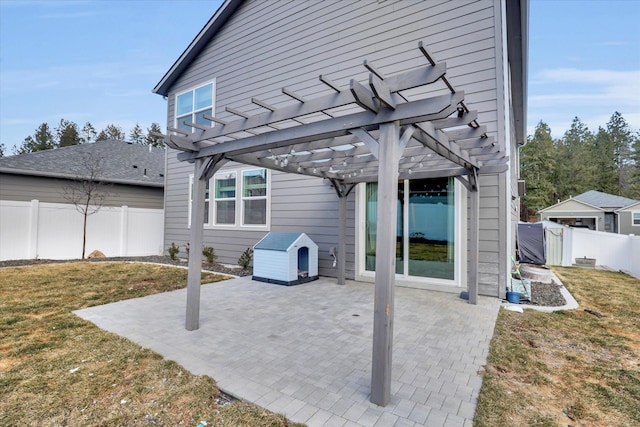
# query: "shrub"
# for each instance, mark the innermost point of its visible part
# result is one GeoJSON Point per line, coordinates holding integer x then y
{"type": "Point", "coordinates": [209, 253]}
{"type": "Point", "coordinates": [246, 258]}
{"type": "Point", "coordinates": [173, 250]}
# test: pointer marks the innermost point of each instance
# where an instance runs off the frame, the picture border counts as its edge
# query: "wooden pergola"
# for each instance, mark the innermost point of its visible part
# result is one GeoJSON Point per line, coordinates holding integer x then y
{"type": "Point", "coordinates": [410, 125]}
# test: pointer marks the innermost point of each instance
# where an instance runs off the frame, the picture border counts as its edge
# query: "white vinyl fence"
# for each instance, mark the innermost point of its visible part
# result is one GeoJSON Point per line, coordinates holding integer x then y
{"type": "Point", "coordinates": [616, 251]}
{"type": "Point", "coordinates": [30, 230]}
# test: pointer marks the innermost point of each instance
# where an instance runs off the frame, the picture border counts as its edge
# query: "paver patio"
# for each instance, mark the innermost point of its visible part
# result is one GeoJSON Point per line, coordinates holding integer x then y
{"type": "Point", "coordinates": [305, 351]}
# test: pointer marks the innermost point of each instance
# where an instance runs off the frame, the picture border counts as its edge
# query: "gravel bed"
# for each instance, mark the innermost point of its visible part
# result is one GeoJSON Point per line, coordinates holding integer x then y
{"type": "Point", "coordinates": [215, 267]}
{"type": "Point", "coordinates": [546, 294]}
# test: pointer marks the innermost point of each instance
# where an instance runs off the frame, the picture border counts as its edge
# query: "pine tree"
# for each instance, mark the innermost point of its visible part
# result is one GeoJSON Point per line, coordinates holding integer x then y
{"type": "Point", "coordinates": [110, 132]}
{"type": "Point", "coordinates": [621, 140]}
{"type": "Point", "coordinates": [154, 140]}
{"type": "Point", "coordinates": [538, 163]}
{"type": "Point", "coordinates": [633, 190]}
{"type": "Point", "coordinates": [575, 168]}
{"type": "Point", "coordinates": [606, 173]}
{"type": "Point", "coordinates": [67, 133]}
{"type": "Point", "coordinates": [137, 135]}
{"type": "Point", "coordinates": [42, 139]}
{"type": "Point", "coordinates": [88, 133]}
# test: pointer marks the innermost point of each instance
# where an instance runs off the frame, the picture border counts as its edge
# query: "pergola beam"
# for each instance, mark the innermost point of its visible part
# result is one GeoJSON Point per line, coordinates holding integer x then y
{"type": "Point", "coordinates": [437, 141]}
{"type": "Point", "coordinates": [452, 122]}
{"type": "Point", "coordinates": [407, 113]}
{"type": "Point", "coordinates": [414, 78]}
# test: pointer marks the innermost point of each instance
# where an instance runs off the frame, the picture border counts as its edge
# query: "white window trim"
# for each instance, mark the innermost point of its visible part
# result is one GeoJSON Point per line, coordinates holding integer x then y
{"type": "Point", "coordinates": [190, 202]}
{"type": "Point", "coordinates": [193, 89]}
{"type": "Point", "coordinates": [428, 283]}
{"type": "Point", "coordinates": [214, 210]}
{"type": "Point", "coordinates": [242, 199]}
{"type": "Point", "coordinates": [239, 199]}
{"type": "Point", "coordinates": [633, 224]}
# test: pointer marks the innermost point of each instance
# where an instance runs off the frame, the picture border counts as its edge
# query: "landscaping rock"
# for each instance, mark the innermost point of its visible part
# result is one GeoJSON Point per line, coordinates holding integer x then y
{"type": "Point", "coordinates": [546, 294]}
{"type": "Point", "coordinates": [96, 254]}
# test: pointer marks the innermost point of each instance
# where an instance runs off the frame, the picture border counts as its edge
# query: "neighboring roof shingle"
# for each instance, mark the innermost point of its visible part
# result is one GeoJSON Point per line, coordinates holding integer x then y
{"type": "Point", "coordinates": [604, 200]}
{"type": "Point", "coordinates": [122, 162]}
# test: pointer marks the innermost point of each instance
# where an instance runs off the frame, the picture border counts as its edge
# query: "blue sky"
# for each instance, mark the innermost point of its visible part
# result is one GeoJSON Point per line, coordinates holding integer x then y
{"type": "Point", "coordinates": [97, 61]}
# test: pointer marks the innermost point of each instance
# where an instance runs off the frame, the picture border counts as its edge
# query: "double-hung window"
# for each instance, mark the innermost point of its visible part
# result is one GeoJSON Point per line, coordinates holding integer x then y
{"type": "Point", "coordinates": [193, 105]}
{"type": "Point", "coordinates": [254, 197]}
{"type": "Point", "coordinates": [236, 199]}
{"type": "Point", "coordinates": [636, 218]}
{"type": "Point", "coordinates": [225, 198]}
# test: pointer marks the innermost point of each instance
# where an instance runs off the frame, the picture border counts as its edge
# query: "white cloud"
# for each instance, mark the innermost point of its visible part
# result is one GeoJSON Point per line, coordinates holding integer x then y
{"type": "Point", "coordinates": [558, 95]}
{"type": "Point", "coordinates": [587, 76]}
{"type": "Point", "coordinates": [587, 86]}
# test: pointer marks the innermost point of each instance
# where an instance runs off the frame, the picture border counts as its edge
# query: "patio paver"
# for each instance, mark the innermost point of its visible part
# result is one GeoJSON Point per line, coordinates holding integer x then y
{"type": "Point", "coordinates": [305, 351]}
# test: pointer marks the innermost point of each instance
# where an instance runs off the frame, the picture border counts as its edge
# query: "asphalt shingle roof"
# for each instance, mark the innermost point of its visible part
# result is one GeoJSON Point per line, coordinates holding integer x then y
{"type": "Point", "coordinates": [122, 162]}
{"type": "Point", "coordinates": [604, 200]}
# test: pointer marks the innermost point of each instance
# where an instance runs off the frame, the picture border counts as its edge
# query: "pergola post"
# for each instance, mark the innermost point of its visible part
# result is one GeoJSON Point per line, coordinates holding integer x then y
{"type": "Point", "coordinates": [474, 223]}
{"type": "Point", "coordinates": [389, 156]}
{"type": "Point", "coordinates": [473, 187]}
{"type": "Point", "coordinates": [342, 190]}
{"type": "Point", "coordinates": [342, 244]}
{"type": "Point", "coordinates": [192, 321]}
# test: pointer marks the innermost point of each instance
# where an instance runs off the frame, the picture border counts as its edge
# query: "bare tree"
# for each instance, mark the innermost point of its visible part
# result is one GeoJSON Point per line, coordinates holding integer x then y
{"type": "Point", "coordinates": [87, 192]}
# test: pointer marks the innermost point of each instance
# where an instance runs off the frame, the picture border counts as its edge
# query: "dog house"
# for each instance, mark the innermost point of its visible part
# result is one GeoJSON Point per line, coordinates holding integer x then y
{"type": "Point", "coordinates": [285, 259]}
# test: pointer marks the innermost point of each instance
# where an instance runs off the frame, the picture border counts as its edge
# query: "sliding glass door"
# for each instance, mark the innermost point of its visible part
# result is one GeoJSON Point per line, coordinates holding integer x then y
{"type": "Point", "coordinates": [425, 230]}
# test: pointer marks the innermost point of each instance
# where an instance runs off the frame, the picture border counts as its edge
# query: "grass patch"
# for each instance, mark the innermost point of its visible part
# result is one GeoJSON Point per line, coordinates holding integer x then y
{"type": "Point", "coordinates": [57, 369]}
{"type": "Point", "coordinates": [568, 367]}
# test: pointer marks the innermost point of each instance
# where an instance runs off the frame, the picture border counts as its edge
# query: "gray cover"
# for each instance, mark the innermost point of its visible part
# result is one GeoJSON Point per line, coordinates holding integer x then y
{"type": "Point", "coordinates": [531, 243]}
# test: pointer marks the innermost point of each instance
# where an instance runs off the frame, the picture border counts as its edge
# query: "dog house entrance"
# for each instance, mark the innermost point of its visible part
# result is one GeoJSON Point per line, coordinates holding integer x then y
{"type": "Point", "coordinates": [303, 262]}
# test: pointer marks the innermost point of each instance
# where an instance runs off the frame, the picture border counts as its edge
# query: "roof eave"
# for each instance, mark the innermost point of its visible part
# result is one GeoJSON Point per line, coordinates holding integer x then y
{"type": "Point", "coordinates": [518, 51]}
{"type": "Point", "coordinates": [571, 199]}
{"type": "Point", "coordinates": [196, 46]}
{"type": "Point", "coordinates": [46, 174]}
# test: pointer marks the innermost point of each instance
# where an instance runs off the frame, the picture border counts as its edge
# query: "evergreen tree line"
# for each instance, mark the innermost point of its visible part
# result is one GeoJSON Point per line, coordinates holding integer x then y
{"type": "Point", "coordinates": [68, 133]}
{"type": "Point", "coordinates": [555, 169]}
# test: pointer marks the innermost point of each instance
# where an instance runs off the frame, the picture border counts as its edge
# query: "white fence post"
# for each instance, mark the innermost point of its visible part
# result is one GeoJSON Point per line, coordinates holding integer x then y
{"type": "Point", "coordinates": [33, 229]}
{"type": "Point", "coordinates": [124, 226]}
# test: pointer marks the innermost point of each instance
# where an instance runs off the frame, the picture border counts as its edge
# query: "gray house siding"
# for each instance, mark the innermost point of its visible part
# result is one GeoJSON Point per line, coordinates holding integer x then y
{"type": "Point", "coordinates": [625, 223]}
{"type": "Point", "coordinates": [267, 45]}
{"type": "Point", "coordinates": [26, 188]}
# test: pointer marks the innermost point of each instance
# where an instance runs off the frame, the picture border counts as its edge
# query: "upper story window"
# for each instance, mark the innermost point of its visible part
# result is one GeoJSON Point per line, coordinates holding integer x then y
{"type": "Point", "coordinates": [636, 218]}
{"type": "Point", "coordinates": [193, 105]}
